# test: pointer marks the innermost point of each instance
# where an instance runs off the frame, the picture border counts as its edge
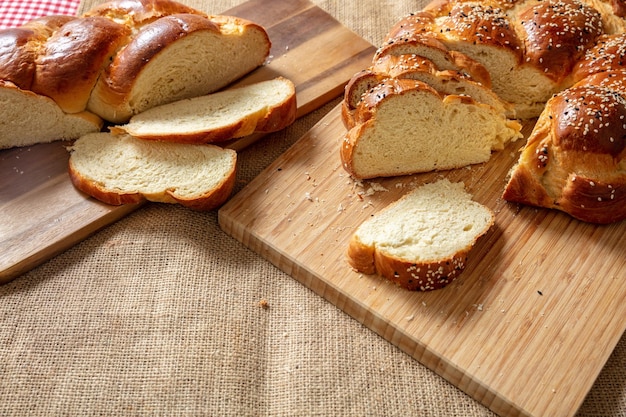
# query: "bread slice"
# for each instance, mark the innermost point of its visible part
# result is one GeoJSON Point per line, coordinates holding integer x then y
{"type": "Point", "coordinates": [176, 57]}
{"type": "Point", "coordinates": [405, 127]}
{"type": "Point", "coordinates": [422, 241]}
{"type": "Point", "coordinates": [122, 169]}
{"type": "Point", "coordinates": [266, 106]}
{"type": "Point", "coordinates": [38, 119]}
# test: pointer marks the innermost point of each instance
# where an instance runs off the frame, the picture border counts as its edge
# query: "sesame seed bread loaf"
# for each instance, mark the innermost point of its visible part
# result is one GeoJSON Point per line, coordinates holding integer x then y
{"type": "Point", "coordinates": [264, 107]}
{"type": "Point", "coordinates": [422, 241]}
{"type": "Point", "coordinates": [404, 126]}
{"type": "Point", "coordinates": [120, 169]}
{"type": "Point", "coordinates": [543, 58]}
{"type": "Point", "coordinates": [413, 35]}
{"type": "Point", "coordinates": [126, 56]}
{"type": "Point", "coordinates": [607, 54]}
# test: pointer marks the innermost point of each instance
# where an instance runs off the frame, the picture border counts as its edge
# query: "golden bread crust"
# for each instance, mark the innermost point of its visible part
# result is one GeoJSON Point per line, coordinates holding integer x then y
{"type": "Point", "coordinates": [73, 58]}
{"type": "Point", "coordinates": [406, 274]}
{"type": "Point", "coordinates": [21, 46]}
{"type": "Point", "coordinates": [557, 33]}
{"type": "Point", "coordinates": [575, 159]}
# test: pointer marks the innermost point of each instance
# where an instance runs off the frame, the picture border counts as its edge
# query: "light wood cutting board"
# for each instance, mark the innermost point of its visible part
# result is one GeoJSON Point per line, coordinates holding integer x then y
{"type": "Point", "coordinates": [525, 329]}
{"type": "Point", "coordinates": [42, 213]}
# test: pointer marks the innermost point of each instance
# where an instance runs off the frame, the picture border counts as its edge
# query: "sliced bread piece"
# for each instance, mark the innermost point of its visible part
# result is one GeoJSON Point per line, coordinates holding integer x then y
{"type": "Point", "coordinates": [28, 118]}
{"type": "Point", "coordinates": [422, 241]}
{"type": "Point", "coordinates": [176, 57]}
{"type": "Point", "coordinates": [266, 106]}
{"type": "Point", "coordinates": [122, 169]}
{"type": "Point", "coordinates": [404, 127]}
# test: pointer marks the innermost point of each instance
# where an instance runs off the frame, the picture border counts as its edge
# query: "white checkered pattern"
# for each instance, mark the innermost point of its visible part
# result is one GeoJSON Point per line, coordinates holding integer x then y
{"type": "Point", "coordinates": [15, 12]}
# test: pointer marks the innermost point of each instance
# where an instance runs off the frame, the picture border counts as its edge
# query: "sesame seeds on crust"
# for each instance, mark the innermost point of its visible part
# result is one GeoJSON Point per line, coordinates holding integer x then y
{"type": "Point", "coordinates": [590, 119]}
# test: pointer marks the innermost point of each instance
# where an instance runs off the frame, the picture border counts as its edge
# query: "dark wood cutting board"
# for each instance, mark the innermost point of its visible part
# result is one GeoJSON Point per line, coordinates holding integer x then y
{"type": "Point", "coordinates": [525, 329]}
{"type": "Point", "coordinates": [43, 215]}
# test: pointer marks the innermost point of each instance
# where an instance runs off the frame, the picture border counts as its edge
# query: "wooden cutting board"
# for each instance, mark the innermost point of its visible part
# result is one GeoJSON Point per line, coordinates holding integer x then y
{"type": "Point", "coordinates": [527, 326]}
{"type": "Point", "coordinates": [42, 213]}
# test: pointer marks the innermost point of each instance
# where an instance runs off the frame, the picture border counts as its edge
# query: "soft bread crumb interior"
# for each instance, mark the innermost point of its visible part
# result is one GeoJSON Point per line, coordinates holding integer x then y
{"type": "Point", "coordinates": [420, 132]}
{"type": "Point", "coordinates": [43, 122]}
{"type": "Point", "coordinates": [181, 73]}
{"type": "Point", "coordinates": [430, 223]}
{"type": "Point", "coordinates": [126, 164]}
{"type": "Point", "coordinates": [211, 111]}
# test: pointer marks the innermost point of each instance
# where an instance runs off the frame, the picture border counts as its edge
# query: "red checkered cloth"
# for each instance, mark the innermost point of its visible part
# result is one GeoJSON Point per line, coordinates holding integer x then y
{"type": "Point", "coordinates": [15, 12]}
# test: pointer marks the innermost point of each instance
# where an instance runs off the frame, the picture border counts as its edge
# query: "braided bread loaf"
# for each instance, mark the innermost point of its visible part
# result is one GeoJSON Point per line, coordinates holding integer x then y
{"type": "Point", "coordinates": [559, 60]}
{"type": "Point", "coordinates": [117, 60]}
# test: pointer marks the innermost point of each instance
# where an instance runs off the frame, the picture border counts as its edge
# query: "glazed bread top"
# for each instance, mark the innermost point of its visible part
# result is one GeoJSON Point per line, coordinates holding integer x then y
{"type": "Point", "coordinates": [125, 56]}
{"type": "Point", "coordinates": [530, 48]}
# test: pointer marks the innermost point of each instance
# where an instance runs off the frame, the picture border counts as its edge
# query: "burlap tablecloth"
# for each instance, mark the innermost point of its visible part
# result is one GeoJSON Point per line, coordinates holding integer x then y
{"type": "Point", "coordinates": [159, 314]}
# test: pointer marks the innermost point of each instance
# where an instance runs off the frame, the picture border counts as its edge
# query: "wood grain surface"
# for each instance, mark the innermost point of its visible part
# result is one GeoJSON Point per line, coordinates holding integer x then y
{"type": "Point", "coordinates": [525, 329]}
{"type": "Point", "coordinates": [43, 215]}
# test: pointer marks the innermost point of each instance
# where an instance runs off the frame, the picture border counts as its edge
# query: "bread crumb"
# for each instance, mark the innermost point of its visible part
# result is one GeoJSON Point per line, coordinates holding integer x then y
{"type": "Point", "coordinates": [377, 187]}
{"type": "Point", "coordinates": [373, 188]}
{"type": "Point", "coordinates": [264, 304]}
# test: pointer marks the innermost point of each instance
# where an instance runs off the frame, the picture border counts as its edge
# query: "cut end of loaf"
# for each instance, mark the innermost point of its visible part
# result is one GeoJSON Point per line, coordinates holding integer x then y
{"type": "Point", "coordinates": [262, 107]}
{"type": "Point", "coordinates": [406, 127]}
{"type": "Point", "coordinates": [180, 56]}
{"type": "Point", "coordinates": [29, 118]}
{"type": "Point", "coordinates": [421, 242]}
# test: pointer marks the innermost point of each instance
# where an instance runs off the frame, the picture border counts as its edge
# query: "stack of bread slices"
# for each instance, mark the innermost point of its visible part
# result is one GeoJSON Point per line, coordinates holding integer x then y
{"type": "Point", "coordinates": [173, 153]}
